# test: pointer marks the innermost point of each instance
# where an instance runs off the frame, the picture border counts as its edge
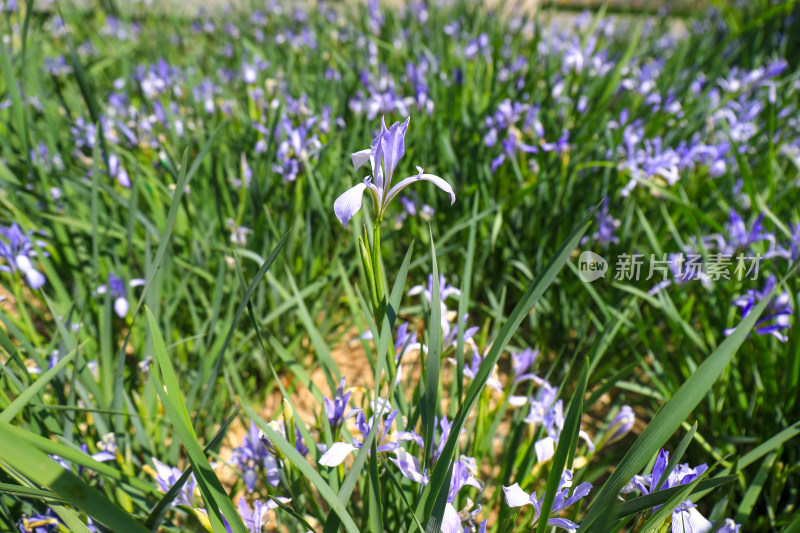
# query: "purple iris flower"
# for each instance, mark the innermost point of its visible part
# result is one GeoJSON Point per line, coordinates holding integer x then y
{"type": "Point", "coordinates": [41, 156]}
{"type": "Point", "coordinates": [777, 312]}
{"type": "Point", "coordinates": [250, 455]}
{"type": "Point", "coordinates": [476, 46]}
{"type": "Point", "coordinates": [729, 526]}
{"type": "Point", "coordinates": [387, 441]}
{"type": "Point", "coordinates": [793, 252]}
{"type": "Point", "coordinates": [405, 341]}
{"type": "Point", "coordinates": [16, 248]}
{"type": "Point", "coordinates": [464, 471]}
{"type": "Point", "coordinates": [560, 146]}
{"type": "Point", "coordinates": [336, 409]}
{"type": "Point", "coordinates": [118, 291]}
{"type": "Point", "coordinates": [450, 334]}
{"type": "Point", "coordinates": [117, 171]}
{"type": "Point", "coordinates": [256, 518]}
{"type": "Point", "coordinates": [522, 362]}
{"type": "Point", "coordinates": [516, 497]}
{"type": "Point", "coordinates": [687, 519]}
{"type": "Point", "coordinates": [471, 370]}
{"type": "Point", "coordinates": [376, 18]}
{"type": "Point", "coordinates": [108, 452]}
{"type": "Point", "coordinates": [680, 475]}
{"type": "Point", "coordinates": [250, 71]}
{"type": "Point", "coordinates": [58, 66]}
{"type": "Point", "coordinates": [167, 476]}
{"type": "Point", "coordinates": [409, 466]}
{"type": "Point", "coordinates": [299, 444]}
{"type": "Point", "coordinates": [512, 145]}
{"type": "Point", "coordinates": [295, 148]}
{"type": "Point", "coordinates": [620, 425]}
{"type": "Point", "coordinates": [606, 226]}
{"type": "Point", "coordinates": [40, 523]}
{"type": "Point", "coordinates": [441, 434]}
{"type": "Point", "coordinates": [204, 93]}
{"type": "Point", "coordinates": [548, 412]}
{"type": "Point", "coordinates": [739, 237]}
{"type": "Point", "coordinates": [388, 147]}
{"type": "Point", "coordinates": [445, 291]}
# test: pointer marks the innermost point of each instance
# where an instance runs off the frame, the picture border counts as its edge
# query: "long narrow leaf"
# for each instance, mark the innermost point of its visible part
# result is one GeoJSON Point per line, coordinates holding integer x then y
{"type": "Point", "coordinates": [674, 412]}
{"type": "Point", "coordinates": [525, 305]}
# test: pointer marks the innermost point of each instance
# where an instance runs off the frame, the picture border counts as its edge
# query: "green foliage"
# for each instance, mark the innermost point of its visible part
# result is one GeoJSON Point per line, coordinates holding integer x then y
{"type": "Point", "coordinates": [224, 212]}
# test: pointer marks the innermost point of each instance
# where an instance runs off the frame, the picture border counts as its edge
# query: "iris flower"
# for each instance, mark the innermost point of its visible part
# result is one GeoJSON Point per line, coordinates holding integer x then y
{"type": "Point", "coordinates": [388, 440]}
{"type": "Point", "coordinates": [516, 497]}
{"type": "Point", "coordinates": [388, 147]}
{"type": "Point", "coordinates": [687, 519]}
{"type": "Point", "coordinates": [336, 408]}
{"type": "Point", "coordinates": [116, 286]}
{"type": "Point", "coordinates": [621, 425]}
{"type": "Point", "coordinates": [16, 248]}
{"type": "Point", "coordinates": [252, 453]}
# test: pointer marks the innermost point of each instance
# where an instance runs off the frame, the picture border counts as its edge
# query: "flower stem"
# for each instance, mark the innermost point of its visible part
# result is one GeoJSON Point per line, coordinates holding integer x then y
{"type": "Point", "coordinates": [380, 303]}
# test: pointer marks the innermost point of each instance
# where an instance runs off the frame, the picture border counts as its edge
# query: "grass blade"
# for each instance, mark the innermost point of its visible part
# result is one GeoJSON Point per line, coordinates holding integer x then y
{"type": "Point", "coordinates": [525, 305]}
{"type": "Point", "coordinates": [217, 500]}
{"type": "Point", "coordinates": [674, 412]}
{"type": "Point", "coordinates": [43, 471]}
{"type": "Point", "coordinates": [433, 362]}
{"type": "Point", "coordinates": [306, 469]}
{"type": "Point", "coordinates": [566, 448]}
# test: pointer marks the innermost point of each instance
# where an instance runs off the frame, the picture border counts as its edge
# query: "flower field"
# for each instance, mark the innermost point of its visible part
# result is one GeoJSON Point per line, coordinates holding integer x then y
{"type": "Point", "coordinates": [383, 266]}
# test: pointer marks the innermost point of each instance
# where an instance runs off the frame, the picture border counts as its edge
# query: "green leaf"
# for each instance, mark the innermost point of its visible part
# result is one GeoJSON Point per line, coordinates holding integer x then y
{"type": "Point", "coordinates": [439, 479]}
{"type": "Point", "coordinates": [754, 489]}
{"type": "Point", "coordinates": [306, 469]}
{"type": "Point", "coordinates": [566, 448]}
{"type": "Point", "coordinates": [676, 456]}
{"type": "Point", "coordinates": [44, 472]}
{"type": "Point", "coordinates": [29, 492]}
{"type": "Point", "coordinates": [75, 456]}
{"type": "Point", "coordinates": [402, 493]}
{"type": "Point", "coordinates": [463, 302]}
{"type": "Point", "coordinates": [160, 509]}
{"type": "Point", "coordinates": [648, 501]}
{"type": "Point", "coordinates": [430, 402]}
{"type": "Point", "coordinates": [674, 412]}
{"type": "Point", "coordinates": [216, 499]}
{"type": "Point", "coordinates": [35, 388]}
{"type": "Point", "coordinates": [383, 340]}
{"type": "Point", "coordinates": [239, 310]}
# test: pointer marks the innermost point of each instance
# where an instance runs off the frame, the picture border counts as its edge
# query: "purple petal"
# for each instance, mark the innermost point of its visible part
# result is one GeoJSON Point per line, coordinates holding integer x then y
{"type": "Point", "coordinates": [360, 158]}
{"type": "Point", "coordinates": [409, 466]}
{"type": "Point", "coordinates": [393, 146]}
{"type": "Point", "coordinates": [659, 467]}
{"type": "Point", "coordinates": [451, 522]}
{"type": "Point", "coordinates": [349, 203]}
{"type": "Point", "coordinates": [436, 180]}
{"type": "Point", "coordinates": [121, 307]}
{"type": "Point", "coordinates": [580, 492]}
{"type": "Point", "coordinates": [337, 454]}
{"type": "Point", "coordinates": [563, 522]}
{"type": "Point", "coordinates": [515, 496]}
